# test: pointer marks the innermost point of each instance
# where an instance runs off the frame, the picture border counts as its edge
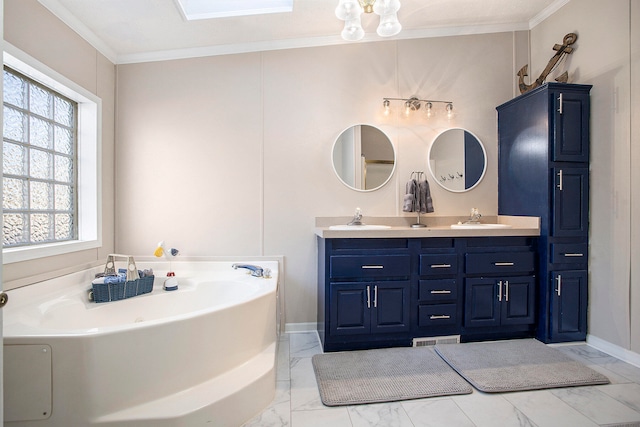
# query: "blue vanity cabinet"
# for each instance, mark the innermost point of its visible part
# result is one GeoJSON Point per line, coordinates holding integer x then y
{"type": "Point", "coordinates": [386, 292]}
{"type": "Point", "coordinates": [364, 293]}
{"type": "Point", "coordinates": [369, 307]}
{"type": "Point", "coordinates": [543, 170]}
{"type": "Point", "coordinates": [568, 318]}
{"type": "Point", "coordinates": [437, 297]}
{"type": "Point", "coordinates": [499, 287]}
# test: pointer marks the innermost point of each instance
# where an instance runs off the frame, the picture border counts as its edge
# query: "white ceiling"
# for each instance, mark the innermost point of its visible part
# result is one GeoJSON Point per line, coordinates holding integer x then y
{"type": "Point", "coordinates": [128, 31]}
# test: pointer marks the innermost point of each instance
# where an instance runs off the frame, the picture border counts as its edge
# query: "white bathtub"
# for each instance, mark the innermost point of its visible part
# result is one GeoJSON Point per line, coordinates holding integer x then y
{"type": "Point", "coordinates": [202, 355]}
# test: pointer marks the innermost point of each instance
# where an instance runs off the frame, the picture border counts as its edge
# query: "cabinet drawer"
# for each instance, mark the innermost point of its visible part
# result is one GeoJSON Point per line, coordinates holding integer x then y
{"type": "Point", "coordinates": [499, 262]}
{"type": "Point", "coordinates": [437, 315]}
{"type": "Point", "coordinates": [438, 290]}
{"type": "Point", "coordinates": [368, 266]}
{"type": "Point", "coordinates": [438, 264]}
{"type": "Point", "coordinates": [568, 253]}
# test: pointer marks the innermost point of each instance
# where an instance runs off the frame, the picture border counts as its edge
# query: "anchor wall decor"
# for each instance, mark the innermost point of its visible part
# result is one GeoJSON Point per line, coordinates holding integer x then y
{"type": "Point", "coordinates": [561, 50]}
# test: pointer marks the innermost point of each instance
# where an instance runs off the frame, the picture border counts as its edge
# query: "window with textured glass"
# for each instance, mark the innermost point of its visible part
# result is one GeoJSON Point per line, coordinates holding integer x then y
{"type": "Point", "coordinates": [39, 163]}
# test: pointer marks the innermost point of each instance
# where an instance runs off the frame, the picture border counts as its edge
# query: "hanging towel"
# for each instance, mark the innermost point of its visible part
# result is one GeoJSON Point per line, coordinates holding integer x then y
{"type": "Point", "coordinates": [411, 196]}
{"type": "Point", "coordinates": [424, 196]}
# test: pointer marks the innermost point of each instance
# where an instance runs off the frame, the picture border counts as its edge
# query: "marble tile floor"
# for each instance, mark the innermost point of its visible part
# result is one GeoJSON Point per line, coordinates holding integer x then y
{"type": "Point", "coordinates": [297, 402]}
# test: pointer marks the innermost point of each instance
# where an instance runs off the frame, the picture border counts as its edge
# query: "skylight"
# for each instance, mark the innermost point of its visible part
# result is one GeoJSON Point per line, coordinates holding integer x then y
{"type": "Point", "coordinates": [207, 9]}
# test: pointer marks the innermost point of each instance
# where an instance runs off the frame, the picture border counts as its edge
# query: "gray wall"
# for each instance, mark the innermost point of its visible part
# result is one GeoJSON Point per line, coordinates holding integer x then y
{"type": "Point", "coordinates": [34, 30]}
{"type": "Point", "coordinates": [228, 176]}
{"type": "Point", "coordinates": [606, 58]}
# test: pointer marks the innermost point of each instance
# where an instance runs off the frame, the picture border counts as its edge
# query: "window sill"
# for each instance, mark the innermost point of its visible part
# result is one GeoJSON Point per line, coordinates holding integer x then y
{"type": "Point", "coordinates": [27, 253]}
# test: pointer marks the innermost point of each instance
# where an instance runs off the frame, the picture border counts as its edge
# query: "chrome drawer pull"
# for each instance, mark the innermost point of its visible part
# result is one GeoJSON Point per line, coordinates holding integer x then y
{"type": "Point", "coordinates": [369, 267]}
{"type": "Point", "coordinates": [560, 104]}
{"type": "Point", "coordinates": [440, 265]}
{"type": "Point", "coordinates": [574, 255]}
{"type": "Point", "coordinates": [444, 316]}
{"type": "Point", "coordinates": [441, 292]}
{"type": "Point", "coordinates": [504, 264]}
{"type": "Point", "coordinates": [559, 186]}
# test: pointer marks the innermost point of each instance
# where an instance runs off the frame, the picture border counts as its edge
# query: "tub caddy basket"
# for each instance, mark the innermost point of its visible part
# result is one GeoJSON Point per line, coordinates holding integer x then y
{"type": "Point", "coordinates": [133, 286]}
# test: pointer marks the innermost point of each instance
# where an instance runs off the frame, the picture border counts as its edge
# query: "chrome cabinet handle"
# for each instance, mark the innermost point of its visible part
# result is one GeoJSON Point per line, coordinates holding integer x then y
{"type": "Point", "coordinates": [500, 290]}
{"type": "Point", "coordinates": [560, 180]}
{"type": "Point", "coordinates": [560, 104]}
{"type": "Point", "coordinates": [506, 290]}
{"type": "Point", "coordinates": [368, 297]}
{"type": "Point", "coordinates": [375, 296]}
{"type": "Point", "coordinates": [440, 265]}
{"type": "Point", "coordinates": [369, 267]}
{"type": "Point", "coordinates": [442, 316]}
{"type": "Point", "coordinates": [559, 289]}
{"type": "Point", "coordinates": [573, 255]}
{"type": "Point", "coordinates": [504, 264]}
{"type": "Point", "coordinates": [440, 292]}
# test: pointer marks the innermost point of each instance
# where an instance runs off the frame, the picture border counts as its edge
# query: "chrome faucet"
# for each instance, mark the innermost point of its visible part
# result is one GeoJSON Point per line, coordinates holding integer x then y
{"type": "Point", "coordinates": [357, 218]}
{"type": "Point", "coordinates": [256, 271]}
{"type": "Point", "coordinates": [474, 217]}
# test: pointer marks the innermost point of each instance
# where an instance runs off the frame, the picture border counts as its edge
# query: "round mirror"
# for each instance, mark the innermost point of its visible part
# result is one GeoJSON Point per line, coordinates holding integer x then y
{"type": "Point", "coordinates": [457, 160]}
{"type": "Point", "coordinates": [363, 158]}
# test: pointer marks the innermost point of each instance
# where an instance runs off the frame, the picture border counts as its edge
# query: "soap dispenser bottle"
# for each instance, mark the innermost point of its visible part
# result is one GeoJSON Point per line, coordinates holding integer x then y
{"type": "Point", "coordinates": [171, 282]}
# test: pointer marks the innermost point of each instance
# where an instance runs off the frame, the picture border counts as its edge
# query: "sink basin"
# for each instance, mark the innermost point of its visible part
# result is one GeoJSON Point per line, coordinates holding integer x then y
{"type": "Point", "coordinates": [359, 227]}
{"type": "Point", "coordinates": [479, 226]}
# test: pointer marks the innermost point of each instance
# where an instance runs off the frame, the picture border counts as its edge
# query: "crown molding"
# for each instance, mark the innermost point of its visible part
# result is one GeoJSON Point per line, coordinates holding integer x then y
{"type": "Point", "coordinates": [75, 24]}
{"type": "Point", "coordinates": [547, 12]}
{"type": "Point", "coordinates": [230, 49]}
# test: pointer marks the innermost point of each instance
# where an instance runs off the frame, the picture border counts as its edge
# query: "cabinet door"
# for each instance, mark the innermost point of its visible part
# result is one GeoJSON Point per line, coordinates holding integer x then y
{"type": "Point", "coordinates": [571, 127]}
{"type": "Point", "coordinates": [518, 298]}
{"type": "Point", "coordinates": [570, 202]}
{"type": "Point", "coordinates": [569, 305]}
{"type": "Point", "coordinates": [481, 302]}
{"type": "Point", "coordinates": [390, 307]}
{"type": "Point", "coordinates": [350, 313]}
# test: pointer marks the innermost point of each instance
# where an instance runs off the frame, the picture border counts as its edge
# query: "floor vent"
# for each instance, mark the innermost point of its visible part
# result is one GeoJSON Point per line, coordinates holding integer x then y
{"type": "Point", "coordinates": [429, 341]}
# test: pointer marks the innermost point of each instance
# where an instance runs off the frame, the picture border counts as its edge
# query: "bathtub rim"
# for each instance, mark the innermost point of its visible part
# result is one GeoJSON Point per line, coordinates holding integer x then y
{"type": "Point", "coordinates": [57, 285]}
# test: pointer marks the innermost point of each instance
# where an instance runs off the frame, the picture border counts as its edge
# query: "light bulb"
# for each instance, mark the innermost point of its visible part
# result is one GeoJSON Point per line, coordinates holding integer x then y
{"type": "Point", "coordinates": [429, 109]}
{"type": "Point", "coordinates": [387, 107]}
{"type": "Point", "coordinates": [389, 25]}
{"type": "Point", "coordinates": [352, 30]}
{"type": "Point", "coordinates": [449, 110]}
{"type": "Point", "coordinates": [407, 108]}
{"type": "Point", "coordinates": [348, 9]}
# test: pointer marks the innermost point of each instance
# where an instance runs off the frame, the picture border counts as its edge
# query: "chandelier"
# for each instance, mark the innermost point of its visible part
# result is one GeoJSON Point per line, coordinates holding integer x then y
{"type": "Point", "coordinates": [350, 11]}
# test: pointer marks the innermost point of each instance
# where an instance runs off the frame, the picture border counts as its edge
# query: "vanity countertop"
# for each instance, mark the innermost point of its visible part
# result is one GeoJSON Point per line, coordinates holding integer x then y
{"type": "Point", "coordinates": [400, 227]}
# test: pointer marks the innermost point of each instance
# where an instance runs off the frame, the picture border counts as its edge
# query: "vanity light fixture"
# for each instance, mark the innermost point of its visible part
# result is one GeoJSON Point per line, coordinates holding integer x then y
{"type": "Point", "coordinates": [449, 110]}
{"type": "Point", "coordinates": [350, 11]}
{"type": "Point", "coordinates": [414, 104]}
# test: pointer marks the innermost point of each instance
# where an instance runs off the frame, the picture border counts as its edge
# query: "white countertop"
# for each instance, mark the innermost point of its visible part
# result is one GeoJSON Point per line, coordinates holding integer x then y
{"type": "Point", "coordinates": [400, 227]}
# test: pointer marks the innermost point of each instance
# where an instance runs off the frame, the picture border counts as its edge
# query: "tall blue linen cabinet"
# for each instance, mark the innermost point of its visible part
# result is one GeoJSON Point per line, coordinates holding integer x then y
{"type": "Point", "coordinates": [543, 170]}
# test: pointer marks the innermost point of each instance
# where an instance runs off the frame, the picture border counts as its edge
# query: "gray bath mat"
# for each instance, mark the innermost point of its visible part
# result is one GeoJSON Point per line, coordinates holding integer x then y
{"type": "Point", "coordinates": [516, 365]}
{"type": "Point", "coordinates": [384, 375]}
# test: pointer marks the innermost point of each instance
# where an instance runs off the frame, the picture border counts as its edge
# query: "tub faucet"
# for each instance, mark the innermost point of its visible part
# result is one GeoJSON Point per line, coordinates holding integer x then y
{"type": "Point", "coordinates": [474, 217]}
{"type": "Point", "coordinates": [256, 271]}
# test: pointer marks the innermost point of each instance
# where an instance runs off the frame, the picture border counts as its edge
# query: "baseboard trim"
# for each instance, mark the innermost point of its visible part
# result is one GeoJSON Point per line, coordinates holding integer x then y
{"type": "Point", "coordinates": [616, 351]}
{"type": "Point", "coordinates": [300, 327]}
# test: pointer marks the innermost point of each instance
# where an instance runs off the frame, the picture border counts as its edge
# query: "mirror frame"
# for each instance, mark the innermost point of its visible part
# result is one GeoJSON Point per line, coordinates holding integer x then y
{"type": "Point", "coordinates": [393, 148]}
{"type": "Point", "coordinates": [484, 166]}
